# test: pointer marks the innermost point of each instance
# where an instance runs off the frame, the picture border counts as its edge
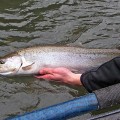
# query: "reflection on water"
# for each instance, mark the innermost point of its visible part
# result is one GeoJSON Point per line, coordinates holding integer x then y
{"type": "Point", "coordinates": [24, 23]}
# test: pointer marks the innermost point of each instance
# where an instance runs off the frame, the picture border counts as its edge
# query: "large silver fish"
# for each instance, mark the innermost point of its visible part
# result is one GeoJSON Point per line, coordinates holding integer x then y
{"type": "Point", "coordinates": [31, 60]}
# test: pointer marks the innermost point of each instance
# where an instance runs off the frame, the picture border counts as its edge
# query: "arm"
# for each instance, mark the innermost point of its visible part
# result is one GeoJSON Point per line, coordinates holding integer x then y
{"type": "Point", "coordinates": [60, 75]}
{"type": "Point", "coordinates": [105, 75]}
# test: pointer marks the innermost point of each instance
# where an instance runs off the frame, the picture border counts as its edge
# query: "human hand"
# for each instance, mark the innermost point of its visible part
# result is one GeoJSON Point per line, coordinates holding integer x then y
{"type": "Point", "coordinates": [60, 74]}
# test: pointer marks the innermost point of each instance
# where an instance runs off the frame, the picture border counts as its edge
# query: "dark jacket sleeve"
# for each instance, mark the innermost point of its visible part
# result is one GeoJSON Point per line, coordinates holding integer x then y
{"type": "Point", "coordinates": [105, 75]}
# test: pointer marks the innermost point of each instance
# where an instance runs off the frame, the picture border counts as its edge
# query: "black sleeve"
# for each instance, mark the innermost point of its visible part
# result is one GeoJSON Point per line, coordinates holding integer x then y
{"type": "Point", "coordinates": [105, 75]}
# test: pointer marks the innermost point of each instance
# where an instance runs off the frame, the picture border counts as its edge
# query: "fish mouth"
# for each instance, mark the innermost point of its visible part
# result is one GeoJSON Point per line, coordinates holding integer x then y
{"type": "Point", "coordinates": [12, 71]}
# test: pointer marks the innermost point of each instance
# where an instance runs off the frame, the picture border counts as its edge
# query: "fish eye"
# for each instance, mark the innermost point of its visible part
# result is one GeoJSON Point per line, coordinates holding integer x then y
{"type": "Point", "coordinates": [2, 62]}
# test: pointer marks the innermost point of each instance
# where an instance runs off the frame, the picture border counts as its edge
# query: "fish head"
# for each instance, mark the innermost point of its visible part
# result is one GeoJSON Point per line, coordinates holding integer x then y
{"type": "Point", "coordinates": [10, 65]}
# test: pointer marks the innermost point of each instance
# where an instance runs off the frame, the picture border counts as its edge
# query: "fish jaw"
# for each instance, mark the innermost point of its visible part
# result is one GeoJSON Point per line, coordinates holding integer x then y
{"type": "Point", "coordinates": [7, 73]}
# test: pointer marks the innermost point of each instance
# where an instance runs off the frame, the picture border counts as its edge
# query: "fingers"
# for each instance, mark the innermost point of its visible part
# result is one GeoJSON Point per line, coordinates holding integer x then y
{"type": "Point", "coordinates": [47, 76]}
{"type": "Point", "coordinates": [46, 71]}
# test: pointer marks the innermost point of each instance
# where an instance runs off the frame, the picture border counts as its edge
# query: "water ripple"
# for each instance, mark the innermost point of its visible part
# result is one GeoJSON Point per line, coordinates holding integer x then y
{"type": "Point", "coordinates": [95, 23]}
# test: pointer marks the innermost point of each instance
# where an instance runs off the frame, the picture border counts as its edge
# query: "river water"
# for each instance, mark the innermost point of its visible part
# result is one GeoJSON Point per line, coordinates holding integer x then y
{"type": "Point", "coordinates": [23, 23]}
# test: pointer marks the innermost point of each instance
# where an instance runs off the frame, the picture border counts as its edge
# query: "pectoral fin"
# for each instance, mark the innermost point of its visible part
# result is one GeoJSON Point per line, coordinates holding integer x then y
{"type": "Point", "coordinates": [27, 65]}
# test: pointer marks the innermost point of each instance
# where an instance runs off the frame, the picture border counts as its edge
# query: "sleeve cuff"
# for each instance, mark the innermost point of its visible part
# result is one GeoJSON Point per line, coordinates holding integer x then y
{"type": "Point", "coordinates": [85, 78]}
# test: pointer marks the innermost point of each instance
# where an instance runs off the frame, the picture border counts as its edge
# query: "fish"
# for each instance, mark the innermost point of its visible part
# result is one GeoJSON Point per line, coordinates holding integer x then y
{"type": "Point", "coordinates": [29, 61]}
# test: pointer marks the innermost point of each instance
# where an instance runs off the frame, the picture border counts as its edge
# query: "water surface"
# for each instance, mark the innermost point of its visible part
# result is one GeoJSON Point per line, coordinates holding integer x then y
{"type": "Point", "coordinates": [23, 23]}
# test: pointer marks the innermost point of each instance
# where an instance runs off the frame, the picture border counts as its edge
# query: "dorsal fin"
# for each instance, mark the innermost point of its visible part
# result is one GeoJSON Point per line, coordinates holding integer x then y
{"type": "Point", "coordinates": [79, 44]}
